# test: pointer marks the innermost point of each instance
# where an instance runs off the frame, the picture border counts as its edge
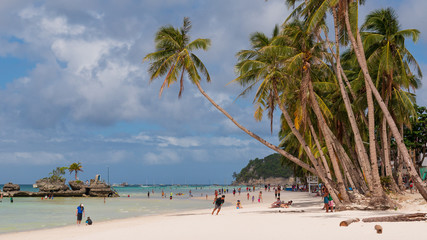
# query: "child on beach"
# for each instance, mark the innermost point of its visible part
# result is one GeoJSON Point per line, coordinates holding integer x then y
{"type": "Point", "coordinates": [248, 196]}
{"type": "Point", "coordinates": [88, 221]}
{"type": "Point", "coordinates": [260, 197]}
{"type": "Point", "coordinates": [331, 203]}
{"type": "Point", "coordinates": [238, 205]}
{"type": "Point", "coordinates": [253, 199]}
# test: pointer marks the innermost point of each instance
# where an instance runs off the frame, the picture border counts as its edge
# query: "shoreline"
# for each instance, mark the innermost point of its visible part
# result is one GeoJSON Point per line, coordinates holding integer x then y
{"type": "Point", "coordinates": [253, 221]}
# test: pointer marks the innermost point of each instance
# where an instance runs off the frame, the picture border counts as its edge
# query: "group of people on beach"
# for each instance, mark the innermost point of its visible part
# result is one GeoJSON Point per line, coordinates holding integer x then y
{"type": "Point", "coordinates": [327, 200]}
{"type": "Point", "coordinates": [80, 213]}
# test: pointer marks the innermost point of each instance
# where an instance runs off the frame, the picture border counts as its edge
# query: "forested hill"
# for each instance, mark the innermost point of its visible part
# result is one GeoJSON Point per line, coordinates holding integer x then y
{"type": "Point", "coordinates": [267, 167]}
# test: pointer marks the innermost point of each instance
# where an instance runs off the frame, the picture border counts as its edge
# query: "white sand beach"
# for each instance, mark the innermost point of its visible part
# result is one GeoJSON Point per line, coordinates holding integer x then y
{"type": "Point", "coordinates": [304, 220]}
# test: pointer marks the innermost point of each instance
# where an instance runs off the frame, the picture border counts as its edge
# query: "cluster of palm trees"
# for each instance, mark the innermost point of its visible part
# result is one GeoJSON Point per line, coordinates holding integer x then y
{"type": "Point", "coordinates": [340, 111]}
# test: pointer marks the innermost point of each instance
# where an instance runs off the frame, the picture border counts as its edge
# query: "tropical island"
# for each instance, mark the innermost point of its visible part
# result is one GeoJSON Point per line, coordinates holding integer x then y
{"type": "Point", "coordinates": [55, 185]}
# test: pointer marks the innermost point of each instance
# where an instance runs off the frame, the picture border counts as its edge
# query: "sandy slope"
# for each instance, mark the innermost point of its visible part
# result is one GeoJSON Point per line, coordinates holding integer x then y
{"type": "Point", "coordinates": [254, 221]}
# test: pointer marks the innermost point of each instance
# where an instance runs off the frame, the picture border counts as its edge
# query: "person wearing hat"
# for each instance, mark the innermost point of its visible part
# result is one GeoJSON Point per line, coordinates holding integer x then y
{"type": "Point", "coordinates": [80, 212]}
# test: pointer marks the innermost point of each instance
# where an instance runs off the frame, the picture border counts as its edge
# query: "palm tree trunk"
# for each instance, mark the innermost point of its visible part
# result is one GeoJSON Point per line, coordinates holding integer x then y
{"type": "Point", "coordinates": [319, 148]}
{"type": "Point", "coordinates": [323, 126]}
{"type": "Point", "coordinates": [355, 172]}
{"type": "Point", "coordinates": [297, 134]}
{"type": "Point", "coordinates": [360, 149]}
{"type": "Point", "coordinates": [386, 138]}
{"type": "Point", "coordinates": [360, 55]}
{"type": "Point", "coordinates": [378, 190]}
{"type": "Point", "coordinates": [400, 167]}
{"type": "Point", "coordinates": [258, 138]}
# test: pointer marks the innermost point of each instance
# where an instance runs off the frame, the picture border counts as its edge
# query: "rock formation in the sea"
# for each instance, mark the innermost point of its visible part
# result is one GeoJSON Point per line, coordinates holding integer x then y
{"type": "Point", "coordinates": [10, 187]}
{"type": "Point", "coordinates": [77, 185]}
{"type": "Point", "coordinates": [48, 185]}
{"type": "Point", "coordinates": [58, 188]}
{"type": "Point", "coordinates": [99, 189]}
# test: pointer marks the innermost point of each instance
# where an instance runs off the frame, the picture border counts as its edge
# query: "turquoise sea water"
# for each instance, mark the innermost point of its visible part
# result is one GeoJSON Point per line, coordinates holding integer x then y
{"type": "Point", "coordinates": [34, 213]}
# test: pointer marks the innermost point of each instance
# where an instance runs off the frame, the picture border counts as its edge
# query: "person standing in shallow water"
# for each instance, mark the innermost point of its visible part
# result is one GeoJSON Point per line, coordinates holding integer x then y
{"type": "Point", "coordinates": [80, 212]}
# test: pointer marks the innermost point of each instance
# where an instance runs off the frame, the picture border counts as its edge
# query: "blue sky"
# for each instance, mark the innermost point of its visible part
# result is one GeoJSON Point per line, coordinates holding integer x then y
{"type": "Point", "coordinates": [73, 88]}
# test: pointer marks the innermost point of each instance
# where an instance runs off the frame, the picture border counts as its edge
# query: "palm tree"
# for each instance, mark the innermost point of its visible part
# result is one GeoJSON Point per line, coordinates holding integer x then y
{"type": "Point", "coordinates": [173, 56]}
{"type": "Point", "coordinates": [357, 45]}
{"type": "Point", "coordinates": [266, 64]}
{"type": "Point", "coordinates": [75, 167]}
{"type": "Point", "coordinates": [385, 47]}
{"type": "Point", "coordinates": [347, 10]}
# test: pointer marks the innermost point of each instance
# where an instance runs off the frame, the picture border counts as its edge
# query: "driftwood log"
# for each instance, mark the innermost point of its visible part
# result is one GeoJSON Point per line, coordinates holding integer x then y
{"type": "Point", "coordinates": [348, 222]}
{"type": "Point", "coordinates": [379, 229]}
{"type": "Point", "coordinates": [398, 218]}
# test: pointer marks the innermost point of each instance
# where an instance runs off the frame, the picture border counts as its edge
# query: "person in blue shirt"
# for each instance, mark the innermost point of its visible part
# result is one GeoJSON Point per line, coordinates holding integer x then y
{"type": "Point", "coordinates": [80, 212]}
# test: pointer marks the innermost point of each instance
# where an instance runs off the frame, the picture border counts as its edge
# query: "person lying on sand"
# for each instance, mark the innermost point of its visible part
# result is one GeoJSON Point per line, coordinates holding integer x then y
{"type": "Point", "coordinates": [286, 205]}
{"type": "Point", "coordinates": [281, 204]}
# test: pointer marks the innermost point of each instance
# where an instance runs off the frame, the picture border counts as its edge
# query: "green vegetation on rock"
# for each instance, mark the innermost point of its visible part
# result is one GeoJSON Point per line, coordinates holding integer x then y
{"type": "Point", "coordinates": [267, 167]}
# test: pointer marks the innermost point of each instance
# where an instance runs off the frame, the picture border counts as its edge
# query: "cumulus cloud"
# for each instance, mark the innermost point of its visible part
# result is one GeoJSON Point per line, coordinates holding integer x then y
{"type": "Point", "coordinates": [160, 158]}
{"type": "Point", "coordinates": [32, 158]}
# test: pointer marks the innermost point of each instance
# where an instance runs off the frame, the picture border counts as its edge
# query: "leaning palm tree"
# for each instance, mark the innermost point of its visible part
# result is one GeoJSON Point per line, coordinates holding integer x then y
{"type": "Point", "coordinates": [346, 11]}
{"type": "Point", "coordinates": [173, 57]}
{"type": "Point", "coordinates": [263, 65]}
{"type": "Point", "coordinates": [384, 43]}
{"type": "Point", "coordinates": [75, 167]}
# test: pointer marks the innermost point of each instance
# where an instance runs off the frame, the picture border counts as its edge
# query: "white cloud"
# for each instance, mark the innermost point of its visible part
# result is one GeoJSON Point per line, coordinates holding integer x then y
{"type": "Point", "coordinates": [160, 158]}
{"type": "Point", "coordinates": [180, 142]}
{"type": "Point", "coordinates": [32, 158]}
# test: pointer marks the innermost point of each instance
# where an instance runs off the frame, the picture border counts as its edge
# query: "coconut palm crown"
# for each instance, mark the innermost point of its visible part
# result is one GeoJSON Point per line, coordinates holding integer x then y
{"type": "Point", "coordinates": [75, 167]}
{"type": "Point", "coordinates": [173, 56]}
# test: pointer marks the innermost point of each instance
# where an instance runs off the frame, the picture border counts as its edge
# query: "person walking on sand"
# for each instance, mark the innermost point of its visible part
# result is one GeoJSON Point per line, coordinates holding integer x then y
{"type": "Point", "coordinates": [260, 197]}
{"type": "Point", "coordinates": [253, 199]}
{"type": "Point", "coordinates": [80, 212]}
{"type": "Point", "coordinates": [248, 196]}
{"type": "Point", "coordinates": [218, 203]}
